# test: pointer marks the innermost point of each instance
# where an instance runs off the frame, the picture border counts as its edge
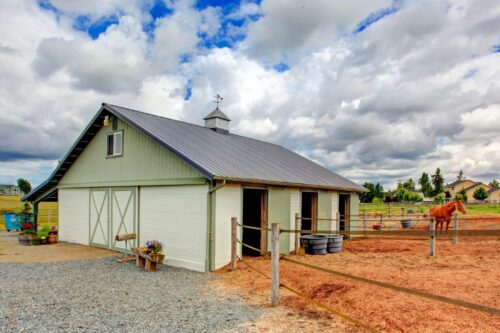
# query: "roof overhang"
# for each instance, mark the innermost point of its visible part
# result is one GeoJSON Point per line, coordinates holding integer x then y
{"type": "Point", "coordinates": [295, 185]}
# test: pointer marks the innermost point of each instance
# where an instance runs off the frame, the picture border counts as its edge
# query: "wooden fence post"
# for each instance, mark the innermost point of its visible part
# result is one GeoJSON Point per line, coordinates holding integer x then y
{"type": "Point", "coordinates": [275, 264]}
{"type": "Point", "coordinates": [432, 240]}
{"type": "Point", "coordinates": [402, 213]}
{"type": "Point", "coordinates": [298, 227]}
{"type": "Point", "coordinates": [364, 220]}
{"type": "Point", "coordinates": [381, 221]}
{"type": "Point", "coordinates": [418, 214]}
{"type": "Point", "coordinates": [389, 208]}
{"type": "Point", "coordinates": [455, 231]}
{"type": "Point", "coordinates": [234, 242]}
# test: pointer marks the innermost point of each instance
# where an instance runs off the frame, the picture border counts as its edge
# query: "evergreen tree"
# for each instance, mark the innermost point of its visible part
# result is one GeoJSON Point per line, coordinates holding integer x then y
{"type": "Point", "coordinates": [493, 183]}
{"type": "Point", "coordinates": [425, 185]}
{"type": "Point", "coordinates": [460, 175]}
{"type": "Point", "coordinates": [409, 184]}
{"type": "Point", "coordinates": [24, 185]}
{"type": "Point", "coordinates": [438, 182]}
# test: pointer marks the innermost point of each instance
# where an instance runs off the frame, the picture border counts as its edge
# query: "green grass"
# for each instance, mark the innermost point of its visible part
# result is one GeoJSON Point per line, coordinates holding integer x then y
{"type": "Point", "coordinates": [480, 209]}
{"type": "Point", "coordinates": [14, 204]}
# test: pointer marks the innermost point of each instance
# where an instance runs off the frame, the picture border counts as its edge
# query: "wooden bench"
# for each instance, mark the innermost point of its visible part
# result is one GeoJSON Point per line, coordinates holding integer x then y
{"type": "Point", "coordinates": [148, 261]}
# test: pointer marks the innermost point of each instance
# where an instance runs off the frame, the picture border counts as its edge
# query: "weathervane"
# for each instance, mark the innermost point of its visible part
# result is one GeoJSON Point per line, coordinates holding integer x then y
{"type": "Point", "coordinates": [218, 100]}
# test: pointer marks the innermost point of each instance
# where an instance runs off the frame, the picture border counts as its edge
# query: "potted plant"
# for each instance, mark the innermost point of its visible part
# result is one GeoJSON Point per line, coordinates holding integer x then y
{"type": "Point", "coordinates": [154, 249]}
{"type": "Point", "coordinates": [52, 237]}
{"type": "Point", "coordinates": [44, 234]}
{"type": "Point", "coordinates": [26, 237]}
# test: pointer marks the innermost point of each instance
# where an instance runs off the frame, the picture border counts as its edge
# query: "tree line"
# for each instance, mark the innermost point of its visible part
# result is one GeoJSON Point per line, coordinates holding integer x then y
{"type": "Point", "coordinates": [431, 186]}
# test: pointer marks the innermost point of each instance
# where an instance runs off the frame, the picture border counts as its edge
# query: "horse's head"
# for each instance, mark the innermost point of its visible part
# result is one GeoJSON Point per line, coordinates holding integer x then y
{"type": "Point", "coordinates": [460, 206]}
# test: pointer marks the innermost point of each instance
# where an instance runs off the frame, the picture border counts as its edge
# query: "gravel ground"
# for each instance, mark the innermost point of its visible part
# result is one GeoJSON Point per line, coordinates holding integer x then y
{"type": "Point", "coordinates": [105, 296]}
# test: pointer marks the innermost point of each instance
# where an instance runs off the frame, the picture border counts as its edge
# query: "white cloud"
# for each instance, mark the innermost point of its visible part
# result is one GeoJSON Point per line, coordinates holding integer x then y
{"type": "Point", "coordinates": [416, 90]}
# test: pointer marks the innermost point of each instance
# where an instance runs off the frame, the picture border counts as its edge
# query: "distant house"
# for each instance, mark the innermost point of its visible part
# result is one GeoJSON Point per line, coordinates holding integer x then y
{"type": "Point", "coordinates": [6, 189]}
{"type": "Point", "coordinates": [459, 185]}
{"type": "Point", "coordinates": [494, 194]}
{"type": "Point", "coordinates": [181, 183]}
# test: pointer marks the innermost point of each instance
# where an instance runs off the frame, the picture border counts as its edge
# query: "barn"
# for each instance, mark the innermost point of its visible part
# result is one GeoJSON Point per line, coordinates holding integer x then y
{"type": "Point", "coordinates": [181, 183]}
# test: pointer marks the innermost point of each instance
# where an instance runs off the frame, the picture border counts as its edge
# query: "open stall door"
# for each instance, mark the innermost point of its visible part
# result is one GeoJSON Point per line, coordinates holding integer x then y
{"type": "Point", "coordinates": [309, 211]}
{"type": "Point", "coordinates": [99, 217]}
{"type": "Point", "coordinates": [254, 215]}
{"type": "Point", "coordinates": [124, 212]}
{"type": "Point", "coordinates": [344, 211]}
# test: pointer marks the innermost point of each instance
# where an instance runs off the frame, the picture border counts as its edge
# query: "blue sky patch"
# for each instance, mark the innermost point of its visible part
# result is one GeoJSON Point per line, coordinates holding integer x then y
{"type": "Point", "coordinates": [281, 67]}
{"type": "Point", "coordinates": [189, 91]}
{"type": "Point", "coordinates": [94, 29]}
{"type": "Point", "coordinates": [159, 10]}
{"type": "Point", "coordinates": [377, 16]}
{"type": "Point", "coordinates": [496, 48]}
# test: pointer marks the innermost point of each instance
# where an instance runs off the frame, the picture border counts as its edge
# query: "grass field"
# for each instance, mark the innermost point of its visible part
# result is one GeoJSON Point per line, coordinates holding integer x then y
{"type": "Point", "coordinates": [14, 204]}
{"type": "Point", "coordinates": [473, 209]}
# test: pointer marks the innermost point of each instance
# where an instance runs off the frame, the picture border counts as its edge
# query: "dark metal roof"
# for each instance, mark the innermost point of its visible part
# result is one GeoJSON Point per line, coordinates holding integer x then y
{"type": "Point", "coordinates": [215, 155]}
{"type": "Point", "coordinates": [457, 182]}
{"type": "Point", "coordinates": [217, 113]}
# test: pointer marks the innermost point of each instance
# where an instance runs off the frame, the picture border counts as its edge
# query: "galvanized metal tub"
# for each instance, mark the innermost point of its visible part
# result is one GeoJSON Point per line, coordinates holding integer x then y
{"type": "Point", "coordinates": [315, 244]}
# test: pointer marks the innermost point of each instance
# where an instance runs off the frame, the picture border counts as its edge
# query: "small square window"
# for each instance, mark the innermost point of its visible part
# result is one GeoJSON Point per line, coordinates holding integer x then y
{"type": "Point", "coordinates": [114, 144]}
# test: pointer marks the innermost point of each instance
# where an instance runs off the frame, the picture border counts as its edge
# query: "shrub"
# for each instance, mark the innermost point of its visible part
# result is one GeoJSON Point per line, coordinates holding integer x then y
{"type": "Point", "coordinates": [480, 194]}
{"type": "Point", "coordinates": [439, 199]}
{"type": "Point", "coordinates": [461, 196]}
{"type": "Point", "coordinates": [377, 201]}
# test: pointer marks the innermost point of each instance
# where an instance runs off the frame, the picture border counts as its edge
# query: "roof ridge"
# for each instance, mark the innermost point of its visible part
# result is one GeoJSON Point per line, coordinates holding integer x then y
{"type": "Point", "coordinates": [188, 123]}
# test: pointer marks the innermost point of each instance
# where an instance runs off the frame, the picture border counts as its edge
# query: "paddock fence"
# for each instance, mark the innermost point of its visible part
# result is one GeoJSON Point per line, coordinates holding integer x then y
{"type": "Point", "coordinates": [364, 227]}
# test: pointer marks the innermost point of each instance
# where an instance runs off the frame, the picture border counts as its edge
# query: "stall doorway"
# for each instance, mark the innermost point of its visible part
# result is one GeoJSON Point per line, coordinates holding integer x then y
{"type": "Point", "coordinates": [344, 211]}
{"type": "Point", "coordinates": [254, 215]}
{"type": "Point", "coordinates": [309, 211]}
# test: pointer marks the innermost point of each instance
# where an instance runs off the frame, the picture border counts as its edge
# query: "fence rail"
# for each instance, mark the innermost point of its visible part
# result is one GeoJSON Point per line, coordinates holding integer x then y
{"type": "Point", "coordinates": [275, 265]}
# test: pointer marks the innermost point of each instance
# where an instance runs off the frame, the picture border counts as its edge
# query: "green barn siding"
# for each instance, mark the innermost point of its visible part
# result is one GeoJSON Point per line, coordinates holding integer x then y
{"type": "Point", "coordinates": [143, 160]}
{"type": "Point", "coordinates": [279, 200]}
{"type": "Point", "coordinates": [324, 210]}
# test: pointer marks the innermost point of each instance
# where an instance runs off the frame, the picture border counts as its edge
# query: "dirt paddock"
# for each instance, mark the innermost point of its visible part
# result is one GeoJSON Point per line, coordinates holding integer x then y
{"type": "Point", "coordinates": [468, 271]}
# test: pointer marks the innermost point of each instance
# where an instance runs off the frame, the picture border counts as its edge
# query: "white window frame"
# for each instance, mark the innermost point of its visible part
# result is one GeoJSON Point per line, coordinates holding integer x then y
{"type": "Point", "coordinates": [115, 153]}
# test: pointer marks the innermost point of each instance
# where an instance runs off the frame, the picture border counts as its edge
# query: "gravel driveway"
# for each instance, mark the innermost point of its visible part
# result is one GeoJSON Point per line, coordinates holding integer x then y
{"type": "Point", "coordinates": [102, 295]}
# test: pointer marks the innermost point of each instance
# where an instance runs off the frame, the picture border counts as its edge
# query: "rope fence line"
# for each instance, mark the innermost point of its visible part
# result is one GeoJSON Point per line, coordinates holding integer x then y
{"type": "Point", "coordinates": [318, 304]}
{"type": "Point", "coordinates": [275, 257]}
{"type": "Point", "coordinates": [414, 292]}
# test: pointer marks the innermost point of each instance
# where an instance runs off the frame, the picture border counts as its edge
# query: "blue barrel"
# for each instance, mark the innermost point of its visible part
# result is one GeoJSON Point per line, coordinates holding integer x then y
{"type": "Point", "coordinates": [407, 223]}
{"type": "Point", "coordinates": [11, 221]}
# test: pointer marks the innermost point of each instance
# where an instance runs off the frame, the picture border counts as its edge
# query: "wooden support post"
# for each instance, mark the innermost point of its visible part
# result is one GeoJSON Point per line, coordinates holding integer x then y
{"type": "Point", "coordinates": [338, 220]}
{"type": "Point", "coordinates": [389, 208]}
{"type": "Point", "coordinates": [275, 264]}
{"type": "Point", "coordinates": [234, 242]}
{"type": "Point", "coordinates": [298, 227]}
{"type": "Point", "coordinates": [455, 229]}
{"type": "Point", "coordinates": [35, 216]}
{"type": "Point", "coordinates": [364, 220]}
{"type": "Point", "coordinates": [432, 240]}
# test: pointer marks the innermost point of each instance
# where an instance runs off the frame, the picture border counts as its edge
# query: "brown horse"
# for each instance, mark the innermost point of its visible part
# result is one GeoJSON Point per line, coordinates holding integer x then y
{"type": "Point", "coordinates": [443, 213]}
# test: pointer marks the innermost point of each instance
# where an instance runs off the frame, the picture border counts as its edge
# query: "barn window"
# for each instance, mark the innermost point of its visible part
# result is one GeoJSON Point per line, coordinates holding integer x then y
{"type": "Point", "coordinates": [114, 144]}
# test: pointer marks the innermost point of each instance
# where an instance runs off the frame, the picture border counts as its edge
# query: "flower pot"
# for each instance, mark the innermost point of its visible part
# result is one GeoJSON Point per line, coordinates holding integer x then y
{"type": "Point", "coordinates": [35, 241]}
{"type": "Point", "coordinates": [52, 238]}
{"type": "Point", "coordinates": [23, 239]}
{"type": "Point", "coordinates": [43, 240]}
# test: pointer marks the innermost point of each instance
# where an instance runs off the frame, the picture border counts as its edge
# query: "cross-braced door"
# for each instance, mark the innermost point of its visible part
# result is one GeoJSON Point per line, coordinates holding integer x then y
{"type": "Point", "coordinates": [99, 216]}
{"type": "Point", "coordinates": [123, 208]}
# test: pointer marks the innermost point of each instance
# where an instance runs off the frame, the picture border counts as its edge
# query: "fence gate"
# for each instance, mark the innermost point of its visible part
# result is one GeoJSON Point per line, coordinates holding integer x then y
{"type": "Point", "coordinates": [99, 217]}
{"type": "Point", "coordinates": [123, 212]}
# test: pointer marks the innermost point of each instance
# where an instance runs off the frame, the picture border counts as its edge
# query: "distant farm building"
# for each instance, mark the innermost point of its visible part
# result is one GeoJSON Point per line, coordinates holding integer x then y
{"type": "Point", "coordinates": [10, 190]}
{"type": "Point", "coordinates": [181, 183]}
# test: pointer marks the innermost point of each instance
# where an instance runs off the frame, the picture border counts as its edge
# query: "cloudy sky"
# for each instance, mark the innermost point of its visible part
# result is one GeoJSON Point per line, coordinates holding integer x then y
{"type": "Point", "coordinates": [375, 90]}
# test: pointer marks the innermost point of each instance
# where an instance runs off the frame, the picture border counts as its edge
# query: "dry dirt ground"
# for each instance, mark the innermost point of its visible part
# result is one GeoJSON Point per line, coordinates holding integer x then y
{"type": "Point", "coordinates": [11, 251]}
{"type": "Point", "coordinates": [468, 271]}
